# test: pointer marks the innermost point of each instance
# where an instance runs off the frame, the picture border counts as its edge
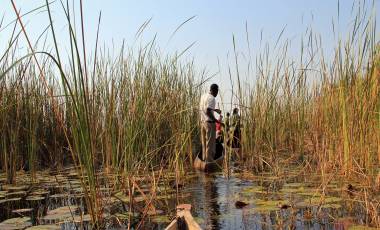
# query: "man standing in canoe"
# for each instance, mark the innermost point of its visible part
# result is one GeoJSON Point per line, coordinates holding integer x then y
{"type": "Point", "coordinates": [208, 120]}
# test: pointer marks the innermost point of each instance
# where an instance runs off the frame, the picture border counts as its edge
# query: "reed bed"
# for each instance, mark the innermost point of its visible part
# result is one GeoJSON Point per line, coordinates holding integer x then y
{"type": "Point", "coordinates": [314, 110]}
{"type": "Point", "coordinates": [140, 118]}
{"type": "Point", "coordinates": [125, 115]}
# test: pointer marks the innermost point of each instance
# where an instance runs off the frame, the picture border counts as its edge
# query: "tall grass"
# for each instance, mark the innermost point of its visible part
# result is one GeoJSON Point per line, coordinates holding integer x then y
{"type": "Point", "coordinates": [129, 114]}
{"type": "Point", "coordinates": [312, 110]}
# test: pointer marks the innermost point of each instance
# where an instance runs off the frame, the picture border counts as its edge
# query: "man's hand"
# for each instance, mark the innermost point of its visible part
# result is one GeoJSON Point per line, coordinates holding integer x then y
{"type": "Point", "coordinates": [218, 111]}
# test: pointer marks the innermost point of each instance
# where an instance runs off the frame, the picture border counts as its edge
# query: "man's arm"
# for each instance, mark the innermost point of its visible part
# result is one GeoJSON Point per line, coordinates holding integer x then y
{"type": "Point", "coordinates": [210, 111]}
{"type": "Point", "coordinates": [210, 114]}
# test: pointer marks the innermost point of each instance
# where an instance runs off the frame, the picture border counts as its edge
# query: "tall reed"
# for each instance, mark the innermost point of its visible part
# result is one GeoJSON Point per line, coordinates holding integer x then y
{"type": "Point", "coordinates": [313, 110]}
{"type": "Point", "coordinates": [129, 114]}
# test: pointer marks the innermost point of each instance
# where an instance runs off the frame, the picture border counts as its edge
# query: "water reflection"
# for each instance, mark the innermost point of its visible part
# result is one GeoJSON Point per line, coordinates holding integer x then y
{"type": "Point", "coordinates": [212, 202]}
{"type": "Point", "coordinates": [211, 197]}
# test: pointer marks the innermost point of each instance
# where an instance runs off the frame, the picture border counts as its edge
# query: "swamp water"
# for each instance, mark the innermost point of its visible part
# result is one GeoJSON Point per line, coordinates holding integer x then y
{"type": "Point", "coordinates": [238, 202]}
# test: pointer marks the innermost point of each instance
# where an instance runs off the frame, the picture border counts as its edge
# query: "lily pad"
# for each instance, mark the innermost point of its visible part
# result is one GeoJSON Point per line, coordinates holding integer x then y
{"type": "Point", "coordinates": [139, 198]}
{"type": "Point", "coordinates": [16, 223]}
{"type": "Point", "coordinates": [80, 219]}
{"type": "Point", "coordinates": [253, 189]}
{"type": "Point", "coordinates": [265, 209]}
{"type": "Point", "coordinates": [315, 201]}
{"type": "Point", "coordinates": [40, 192]}
{"type": "Point", "coordinates": [332, 206]}
{"type": "Point", "coordinates": [294, 185]}
{"type": "Point", "coordinates": [15, 188]}
{"type": "Point", "coordinates": [318, 200]}
{"type": "Point", "coordinates": [361, 227]}
{"type": "Point", "coordinates": [59, 195]}
{"type": "Point", "coordinates": [35, 198]}
{"type": "Point", "coordinates": [15, 194]}
{"type": "Point", "coordinates": [45, 227]}
{"type": "Point", "coordinates": [161, 219]}
{"type": "Point", "coordinates": [272, 202]}
{"type": "Point", "coordinates": [10, 200]}
{"type": "Point", "coordinates": [24, 210]}
{"type": "Point", "coordinates": [125, 216]}
{"type": "Point", "coordinates": [263, 206]}
{"type": "Point", "coordinates": [292, 190]}
{"type": "Point", "coordinates": [62, 213]}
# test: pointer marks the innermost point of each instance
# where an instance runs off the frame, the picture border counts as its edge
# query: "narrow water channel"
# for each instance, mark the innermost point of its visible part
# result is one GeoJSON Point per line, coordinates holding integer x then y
{"type": "Point", "coordinates": [291, 206]}
{"type": "Point", "coordinates": [258, 202]}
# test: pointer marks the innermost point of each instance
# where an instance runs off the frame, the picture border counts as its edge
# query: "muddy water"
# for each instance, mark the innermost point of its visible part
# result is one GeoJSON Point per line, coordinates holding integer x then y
{"type": "Point", "coordinates": [238, 202]}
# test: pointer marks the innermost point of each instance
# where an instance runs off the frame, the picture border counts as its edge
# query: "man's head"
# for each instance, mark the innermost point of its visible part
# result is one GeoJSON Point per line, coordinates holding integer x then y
{"type": "Point", "coordinates": [236, 111]}
{"type": "Point", "coordinates": [214, 89]}
{"type": "Point", "coordinates": [228, 114]}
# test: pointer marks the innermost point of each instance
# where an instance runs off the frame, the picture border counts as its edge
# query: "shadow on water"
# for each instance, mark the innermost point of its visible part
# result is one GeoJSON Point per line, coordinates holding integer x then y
{"type": "Point", "coordinates": [211, 201]}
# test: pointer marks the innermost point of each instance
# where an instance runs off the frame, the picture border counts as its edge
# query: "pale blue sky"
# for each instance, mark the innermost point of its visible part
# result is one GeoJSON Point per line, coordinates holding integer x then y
{"type": "Point", "coordinates": [211, 29]}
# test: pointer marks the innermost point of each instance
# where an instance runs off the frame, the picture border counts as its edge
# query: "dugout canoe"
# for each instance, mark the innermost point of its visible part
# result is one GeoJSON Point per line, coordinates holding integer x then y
{"type": "Point", "coordinates": [184, 220]}
{"type": "Point", "coordinates": [211, 166]}
{"type": "Point", "coordinates": [214, 165]}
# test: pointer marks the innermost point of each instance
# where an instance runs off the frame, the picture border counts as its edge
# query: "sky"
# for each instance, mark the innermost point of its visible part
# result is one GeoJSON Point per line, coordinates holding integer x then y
{"type": "Point", "coordinates": [214, 24]}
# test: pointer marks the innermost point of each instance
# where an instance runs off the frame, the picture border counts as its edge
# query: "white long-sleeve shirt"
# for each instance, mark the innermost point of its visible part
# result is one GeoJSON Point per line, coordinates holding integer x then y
{"type": "Point", "coordinates": [207, 101]}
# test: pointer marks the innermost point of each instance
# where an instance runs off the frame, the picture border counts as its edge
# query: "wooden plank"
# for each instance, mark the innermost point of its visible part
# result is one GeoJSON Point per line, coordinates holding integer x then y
{"type": "Point", "coordinates": [172, 225]}
{"type": "Point", "coordinates": [191, 223]}
{"type": "Point", "coordinates": [184, 219]}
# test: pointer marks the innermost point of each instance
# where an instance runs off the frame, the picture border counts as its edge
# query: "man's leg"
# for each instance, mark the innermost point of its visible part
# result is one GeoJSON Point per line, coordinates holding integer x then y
{"type": "Point", "coordinates": [213, 141]}
{"type": "Point", "coordinates": [211, 135]}
{"type": "Point", "coordinates": [204, 140]}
